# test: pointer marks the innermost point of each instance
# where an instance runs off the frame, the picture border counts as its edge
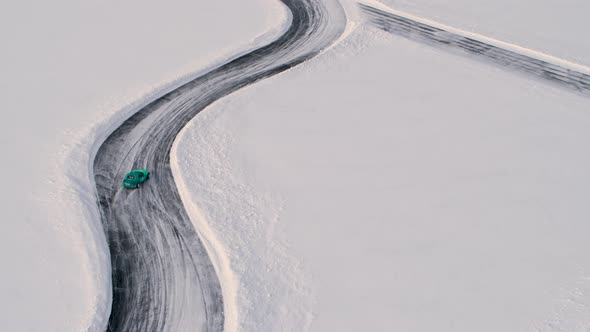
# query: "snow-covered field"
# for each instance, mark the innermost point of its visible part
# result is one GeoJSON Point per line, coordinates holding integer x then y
{"type": "Point", "coordinates": [71, 71]}
{"type": "Point", "coordinates": [387, 185]}
{"type": "Point", "coordinates": [384, 185]}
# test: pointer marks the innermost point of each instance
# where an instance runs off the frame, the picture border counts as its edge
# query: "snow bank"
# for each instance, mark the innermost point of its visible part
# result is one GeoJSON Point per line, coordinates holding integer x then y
{"type": "Point", "coordinates": [386, 185]}
{"type": "Point", "coordinates": [71, 71]}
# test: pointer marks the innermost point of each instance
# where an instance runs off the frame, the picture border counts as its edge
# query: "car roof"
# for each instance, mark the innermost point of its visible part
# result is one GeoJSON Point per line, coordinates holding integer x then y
{"type": "Point", "coordinates": [139, 171]}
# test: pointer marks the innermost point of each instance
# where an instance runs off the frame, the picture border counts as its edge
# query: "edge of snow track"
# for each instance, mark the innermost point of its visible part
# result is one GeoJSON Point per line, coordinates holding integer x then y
{"type": "Point", "coordinates": [162, 276]}
{"type": "Point", "coordinates": [563, 73]}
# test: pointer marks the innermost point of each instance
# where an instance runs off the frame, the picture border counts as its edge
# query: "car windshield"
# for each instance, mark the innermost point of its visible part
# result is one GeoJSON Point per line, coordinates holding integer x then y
{"type": "Point", "coordinates": [131, 177]}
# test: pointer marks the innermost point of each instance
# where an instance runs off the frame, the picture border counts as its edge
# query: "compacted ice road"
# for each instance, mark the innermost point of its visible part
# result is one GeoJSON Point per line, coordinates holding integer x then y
{"type": "Point", "coordinates": [163, 279]}
{"type": "Point", "coordinates": [419, 31]}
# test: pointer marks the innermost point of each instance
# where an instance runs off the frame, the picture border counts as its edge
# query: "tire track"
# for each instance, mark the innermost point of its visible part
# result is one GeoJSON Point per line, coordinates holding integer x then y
{"type": "Point", "coordinates": [163, 279]}
{"type": "Point", "coordinates": [419, 31]}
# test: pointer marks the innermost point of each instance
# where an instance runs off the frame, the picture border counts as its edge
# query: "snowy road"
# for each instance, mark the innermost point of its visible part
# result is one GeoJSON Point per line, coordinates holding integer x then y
{"type": "Point", "coordinates": [413, 29]}
{"type": "Point", "coordinates": [163, 279]}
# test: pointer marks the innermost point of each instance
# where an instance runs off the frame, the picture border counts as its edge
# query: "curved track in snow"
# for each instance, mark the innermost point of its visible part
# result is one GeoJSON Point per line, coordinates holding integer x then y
{"type": "Point", "coordinates": [163, 279]}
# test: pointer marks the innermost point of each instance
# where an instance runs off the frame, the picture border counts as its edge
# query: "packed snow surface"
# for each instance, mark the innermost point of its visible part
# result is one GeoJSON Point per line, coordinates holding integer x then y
{"type": "Point", "coordinates": [391, 186]}
{"type": "Point", "coordinates": [71, 71]}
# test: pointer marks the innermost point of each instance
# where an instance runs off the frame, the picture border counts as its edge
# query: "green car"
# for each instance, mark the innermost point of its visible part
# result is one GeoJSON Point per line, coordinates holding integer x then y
{"type": "Point", "coordinates": [136, 177]}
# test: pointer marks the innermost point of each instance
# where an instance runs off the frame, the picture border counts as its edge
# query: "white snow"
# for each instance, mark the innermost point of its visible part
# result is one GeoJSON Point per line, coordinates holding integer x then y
{"type": "Point", "coordinates": [390, 186]}
{"type": "Point", "coordinates": [71, 71]}
{"type": "Point", "coordinates": [383, 186]}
